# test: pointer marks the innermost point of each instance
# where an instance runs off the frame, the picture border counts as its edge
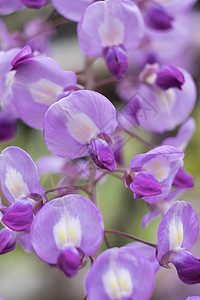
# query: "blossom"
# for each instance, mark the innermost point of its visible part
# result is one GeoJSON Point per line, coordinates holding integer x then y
{"type": "Point", "coordinates": [118, 273]}
{"type": "Point", "coordinates": [151, 175]}
{"type": "Point", "coordinates": [21, 187]}
{"type": "Point", "coordinates": [177, 234]}
{"type": "Point", "coordinates": [66, 231]}
{"type": "Point", "coordinates": [111, 28]}
{"type": "Point", "coordinates": [81, 124]}
{"type": "Point", "coordinates": [38, 82]}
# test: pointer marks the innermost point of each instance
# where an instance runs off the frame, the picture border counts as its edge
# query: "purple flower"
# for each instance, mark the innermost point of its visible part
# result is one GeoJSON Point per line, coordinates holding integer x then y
{"type": "Point", "coordinates": [169, 105]}
{"type": "Point", "coordinates": [157, 18]}
{"type": "Point", "coordinates": [20, 185]}
{"type": "Point", "coordinates": [193, 298]}
{"type": "Point", "coordinates": [118, 273]}
{"type": "Point", "coordinates": [67, 230]}
{"type": "Point", "coordinates": [152, 173]}
{"type": "Point", "coordinates": [36, 87]}
{"type": "Point", "coordinates": [111, 28]}
{"type": "Point", "coordinates": [80, 124]}
{"type": "Point", "coordinates": [177, 234]}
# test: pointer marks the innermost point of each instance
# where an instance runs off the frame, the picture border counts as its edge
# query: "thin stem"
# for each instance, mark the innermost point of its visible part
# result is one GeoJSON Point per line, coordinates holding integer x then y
{"type": "Point", "coordinates": [131, 237]}
{"type": "Point", "coordinates": [147, 144]}
{"type": "Point", "coordinates": [106, 241]}
{"type": "Point", "coordinates": [76, 187]}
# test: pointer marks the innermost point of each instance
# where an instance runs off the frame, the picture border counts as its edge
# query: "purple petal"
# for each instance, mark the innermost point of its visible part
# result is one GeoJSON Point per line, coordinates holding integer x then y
{"type": "Point", "coordinates": [118, 266]}
{"type": "Point", "coordinates": [24, 239]}
{"type": "Point", "coordinates": [19, 216]}
{"type": "Point", "coordinates": [23, 56]}
{"type": "Point", "coordinates": [193, 298]}
{"type": "Point", "coordinates": [51, 234]}
{"type": "Point", "coordinates": [69, 261]}
{"type": "Point", "coordinates": [19, 174]}
{"type": "Point", "coordinates": [183, 179]}
{"type": "Point", "coordinates": [183, 136]}
{"type": "Point", "coordinates": [170, 77]}
{"type": "Point", "coordinates": [34, 3]}
{"type": "Point", "coordinates": [116, 60]}
{"type": "Point", "coordinates": [157, 18]}
{"type": "Point", "coordinates": [102, 154]}
{"type": "Point", "coordinates": [7, 240]}
{"type": "Point", "coordinates": [8, 125]}
{"type": "Point", "coordinates": [145, 184]}
{"type": "Point", "coordinates": [178, 229]}
{"type": "Point", "coordinates": [187, 266]}
{"type": "Point", "coordinates": [71, 123]}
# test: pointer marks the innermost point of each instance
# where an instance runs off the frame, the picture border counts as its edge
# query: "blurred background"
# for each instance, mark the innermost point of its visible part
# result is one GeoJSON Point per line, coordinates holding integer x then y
{"type": "Point", "coordinates": [23, 276]}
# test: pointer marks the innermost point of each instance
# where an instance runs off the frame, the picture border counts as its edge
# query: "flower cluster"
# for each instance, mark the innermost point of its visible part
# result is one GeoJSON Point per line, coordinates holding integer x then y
{"type": "Point", "coordinates": [143, 45]}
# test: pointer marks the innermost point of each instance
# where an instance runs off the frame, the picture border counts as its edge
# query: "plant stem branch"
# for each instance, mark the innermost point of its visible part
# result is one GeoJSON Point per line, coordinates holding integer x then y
{"type": "Point", "coordinates": [131, 237]}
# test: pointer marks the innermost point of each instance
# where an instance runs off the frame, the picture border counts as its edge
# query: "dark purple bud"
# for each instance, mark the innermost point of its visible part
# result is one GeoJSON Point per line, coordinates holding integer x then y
{"type": "Point", "coordinates": [183, 179]}
{"type": "Point", "coordinates": [116, 61]}
{"type": "Point", "coordinates": [157, 18]}
{"type": "Point", "coordinates": [169, 77]}
{"type": "Point", "coordinates": [187, 266]}
{"type": "Point", "coordinates": [69, 261]}
{"type": "Point", "coordinates": [7, 240]}
{"type": "Point", "coordinates": [34, 3]}
{"type": "Point", "coordinates": [8, 126]}
{"type": "Point", "coordinates": [145, 184]}
{"type": "Point", "coordinates": [102, 155]}
{"type": "Point", "coordinates": [19, 216]}
{"type": "Point", "coordinates": [128, 177]}
{"type": "Point", "coordinates": [24, 55]}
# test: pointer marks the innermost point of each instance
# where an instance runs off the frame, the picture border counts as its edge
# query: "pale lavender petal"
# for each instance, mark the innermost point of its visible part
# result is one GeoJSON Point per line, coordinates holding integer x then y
{"type": "Point", "coordinates": [71, 9]}
{"type": "Point", "coordinates": [146, 250]}
{"type": "Point", "coordinates": [149, 217]}
{"type": "Point", "coordinates": [24, 239]}
{"type": "Point", "coordinates": [178, 229]}
{"type": "Point", "coordinates": [118, 265]}
{"type": "Point", "coordinates": [72, 122]}
{"type": "Point", "coordinates": [19, 174]}
{"type": "Point", "coordinates": [71, 208]}
{"type": "Point", "coordinates": [193, 298]}
{"type": "Point", "coordinates": [183, 179]}
{"type": "Point", "coordinates": [183, 136]}
{"type": "Point", "coordinates": [7, 7]}
{"type": "Point", "coordinates": [36, 87]}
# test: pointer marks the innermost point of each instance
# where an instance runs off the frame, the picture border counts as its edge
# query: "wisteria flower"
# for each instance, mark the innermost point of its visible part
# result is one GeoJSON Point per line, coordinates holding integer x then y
{"type": "Point", "coordinates": [177, 234]}
{"type": "Point", "coordinates": [66, 231]}
{"type": "Point", "coordinates": [7, 7]}
{"type": "Point", "coordinates": [151, 175]}
{"type": "Point", "coordinates": [21, 187]}
{"type": "Point", "coordinates": [109, 29]}
{"type": "Point", "coordinates": [38, 82]}
{"type": "Point", "coordinates": [118, 273]}
{"type": "Point", "coordinates": [81, 124]}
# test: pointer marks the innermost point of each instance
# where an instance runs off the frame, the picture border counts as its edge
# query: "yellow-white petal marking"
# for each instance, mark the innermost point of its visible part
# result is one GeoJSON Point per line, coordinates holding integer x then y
{"type": "Point", "coordinates": [15, 184]}
{"type": "Point", "coordinates": [67, 232]}
{"type": "Point", "coordinates": [117, 283]}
